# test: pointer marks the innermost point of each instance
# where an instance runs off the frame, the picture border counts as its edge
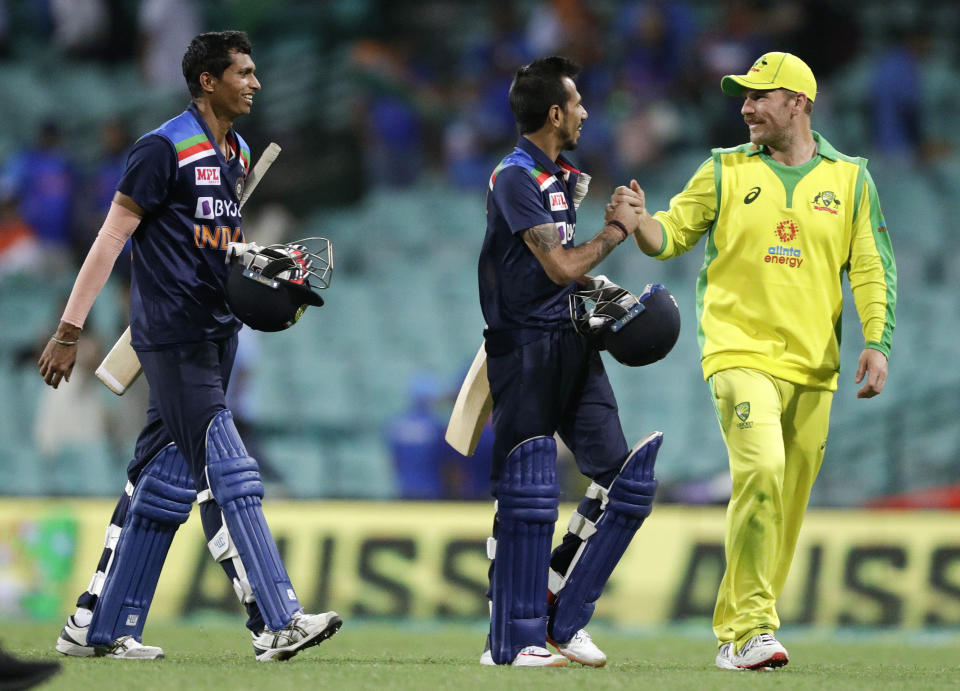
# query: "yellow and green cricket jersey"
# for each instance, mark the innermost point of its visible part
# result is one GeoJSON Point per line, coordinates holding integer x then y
{"type": "Point", "coordinates": [779, 239]}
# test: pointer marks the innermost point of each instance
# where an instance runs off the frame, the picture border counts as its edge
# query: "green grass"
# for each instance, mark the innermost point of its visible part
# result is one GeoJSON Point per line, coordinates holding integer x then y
{"type": "Point", "coordinates": [212, 654]}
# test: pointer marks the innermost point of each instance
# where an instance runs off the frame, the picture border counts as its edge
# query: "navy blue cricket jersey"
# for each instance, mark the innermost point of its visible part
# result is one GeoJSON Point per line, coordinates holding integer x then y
{"type": "Point", "coordinates": [191, 196]}
{"type": "Point", "coordinates": [519, 301]}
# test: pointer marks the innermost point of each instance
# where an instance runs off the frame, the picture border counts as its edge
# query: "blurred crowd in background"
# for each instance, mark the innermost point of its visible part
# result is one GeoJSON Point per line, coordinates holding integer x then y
{"type": "Point", "coordinates": [380, 103]}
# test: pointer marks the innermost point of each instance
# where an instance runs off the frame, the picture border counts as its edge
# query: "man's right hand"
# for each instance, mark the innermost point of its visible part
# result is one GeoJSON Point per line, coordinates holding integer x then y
{"type": "Point", "coordinates": [57, 360]}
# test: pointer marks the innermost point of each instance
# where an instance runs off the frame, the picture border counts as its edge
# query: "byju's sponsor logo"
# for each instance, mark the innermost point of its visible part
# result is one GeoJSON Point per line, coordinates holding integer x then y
{"type": "Point", "coordinates": [209, 208]}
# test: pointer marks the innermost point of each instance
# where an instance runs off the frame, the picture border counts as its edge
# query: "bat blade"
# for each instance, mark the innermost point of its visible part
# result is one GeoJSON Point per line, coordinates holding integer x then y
{"type": "Point", "coordinates": [472, 407]}
{"type": "Point", "coordinates": [121, 367]}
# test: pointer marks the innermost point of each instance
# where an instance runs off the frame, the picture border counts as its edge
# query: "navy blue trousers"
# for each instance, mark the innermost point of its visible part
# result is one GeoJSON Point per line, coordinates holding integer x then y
{"type": "Point", "coordinates": [557, 384]}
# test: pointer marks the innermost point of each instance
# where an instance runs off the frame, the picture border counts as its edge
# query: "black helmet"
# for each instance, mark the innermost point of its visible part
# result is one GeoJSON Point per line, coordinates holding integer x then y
{"type": "Point", "coordinates": [636, 331]}
{"type": "Point", "coordinates": [269, 288]}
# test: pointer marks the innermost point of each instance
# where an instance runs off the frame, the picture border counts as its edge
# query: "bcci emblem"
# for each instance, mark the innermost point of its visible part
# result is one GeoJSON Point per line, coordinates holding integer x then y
{"type": "Point", "coordinates": [786, 231]}
{"type": "Point", "coordinates": [239, 187]}
{"type": "Point", "coordinates": [743, 412]}
{"type": "Point", "coordinates": [826, 201]}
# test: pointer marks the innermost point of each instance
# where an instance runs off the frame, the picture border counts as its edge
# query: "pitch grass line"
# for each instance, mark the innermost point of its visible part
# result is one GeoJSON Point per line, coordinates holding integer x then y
{"type": "Point", "coordinates": [364, 655]}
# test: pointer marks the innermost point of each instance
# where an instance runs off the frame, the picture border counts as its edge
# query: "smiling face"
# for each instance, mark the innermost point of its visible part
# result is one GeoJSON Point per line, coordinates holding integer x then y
{"type": "Point", "coordinates": [571, 117]}
{"type": "Point", "coordinates": [770, 115]}
{"type": "Point", "coordinates": [232, 94]}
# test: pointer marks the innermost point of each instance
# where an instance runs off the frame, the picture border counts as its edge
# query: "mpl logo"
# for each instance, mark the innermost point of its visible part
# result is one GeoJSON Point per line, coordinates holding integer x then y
{"type": "Point", "coordinates": [207, 175]}
{"type": "Point", "coordinates": [558, 202]}
{"type": "Point", "coordinates": [208, 207]}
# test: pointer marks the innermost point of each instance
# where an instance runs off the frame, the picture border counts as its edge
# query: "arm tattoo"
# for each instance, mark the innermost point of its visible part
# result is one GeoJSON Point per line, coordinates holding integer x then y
{"type": "Point", "coordinates": [544, 237]}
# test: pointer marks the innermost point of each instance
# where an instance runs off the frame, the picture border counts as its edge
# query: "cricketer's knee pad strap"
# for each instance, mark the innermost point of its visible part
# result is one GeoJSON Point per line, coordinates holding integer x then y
{"type": "Point", "coordinates": [234, 480]}
{"type": "Point", "coordinates": [623, 508]}
{"type": "Point", "coordinates": [160, 503]}
{"type": "Point", "coordinates": [527, 500]}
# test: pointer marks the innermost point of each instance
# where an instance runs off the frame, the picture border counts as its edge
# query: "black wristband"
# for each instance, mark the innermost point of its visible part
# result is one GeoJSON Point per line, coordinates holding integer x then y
{"type": "Point", "coordinates": [622, 228]}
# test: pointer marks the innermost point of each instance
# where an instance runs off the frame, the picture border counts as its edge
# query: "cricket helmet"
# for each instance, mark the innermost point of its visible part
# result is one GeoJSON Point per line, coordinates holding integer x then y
{"type": "Point", "coordinates": [635, 330]}
{"type": "Point", "coordinates": [269, 288]}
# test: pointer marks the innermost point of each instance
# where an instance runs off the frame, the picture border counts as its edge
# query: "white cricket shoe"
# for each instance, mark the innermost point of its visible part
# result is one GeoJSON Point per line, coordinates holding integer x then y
{"type": "Point", "coordinates": [582, 649]}
{"type": "Point", "coordinates": [531, 656]}
{"type": "Point", "coordinates": [535, 656]}
{"type": "Point", "coordinates": [725, 657]}
{"type": "Point", "coordinates": [761, 652]}
{"type": "Point", "coordinates": [73, 641]}
{"type": "Point", "coordinates": [303, 631]}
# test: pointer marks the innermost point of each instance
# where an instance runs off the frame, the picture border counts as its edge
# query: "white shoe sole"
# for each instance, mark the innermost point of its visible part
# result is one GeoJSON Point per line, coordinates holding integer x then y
{"type": "Point", "coordinates": [316, 638]}
{"type": "Point", "coordinates": [72, 649]}
{"type": "Point", "coordinates": [573, 658]}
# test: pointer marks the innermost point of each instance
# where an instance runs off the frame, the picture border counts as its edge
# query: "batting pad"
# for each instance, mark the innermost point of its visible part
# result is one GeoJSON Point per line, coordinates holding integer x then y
{"type": "Point", "coordinates": [527, 500]}
{"type": "Point", "coordinates": [161, 502]}
{"type": "Point", "coordinates": [626, 504]}
{"type": "Point", "coordinates": [234, 479]}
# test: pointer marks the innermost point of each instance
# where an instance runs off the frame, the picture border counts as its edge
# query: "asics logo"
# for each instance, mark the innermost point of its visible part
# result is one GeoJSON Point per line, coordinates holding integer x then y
{"type": "Point", "coordinates": [751, 195]}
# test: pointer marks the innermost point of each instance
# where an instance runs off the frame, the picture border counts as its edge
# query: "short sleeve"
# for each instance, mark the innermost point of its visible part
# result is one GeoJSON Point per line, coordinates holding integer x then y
{"type": "Point", "coordinates": [150, 172]}
{"type": "Point", "coordinates": [518, 198]}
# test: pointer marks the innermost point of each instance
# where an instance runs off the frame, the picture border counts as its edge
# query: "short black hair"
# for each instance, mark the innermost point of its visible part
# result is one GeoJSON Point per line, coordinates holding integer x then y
{"type": "Point", "coordinates": [537, 87]}
{"type": "Point", "coordinates": [210, 52]}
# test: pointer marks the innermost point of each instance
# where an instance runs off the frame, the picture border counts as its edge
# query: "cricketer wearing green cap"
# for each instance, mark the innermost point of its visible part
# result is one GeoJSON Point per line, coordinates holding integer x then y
{"type": "Point", "coordinates": [783, 217]}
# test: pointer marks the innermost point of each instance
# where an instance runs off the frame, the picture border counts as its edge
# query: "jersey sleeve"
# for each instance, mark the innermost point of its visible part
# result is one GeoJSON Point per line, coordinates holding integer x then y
{"type": "Point", "coordinates": [872, 270]}
{"type": "Point", "coordinates": [691, 213]}
{"type": "Point", "coordinates": [150, 172]}
{"type": "Point", "coordinates": [518, 197]}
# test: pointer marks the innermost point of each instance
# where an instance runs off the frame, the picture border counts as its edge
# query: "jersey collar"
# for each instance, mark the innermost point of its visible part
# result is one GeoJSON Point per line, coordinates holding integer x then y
{"type": "Point", "coordinates": [231, 138]}
{"type": "Point", "coordinates": [824, 148]}
{"type": "Point", "coordinates": [561, 166]}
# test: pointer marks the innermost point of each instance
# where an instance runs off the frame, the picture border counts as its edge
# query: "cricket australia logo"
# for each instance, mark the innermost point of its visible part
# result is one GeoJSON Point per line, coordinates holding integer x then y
{"type": "Point", "coordinates": [787, 231]}
{"type": "Point", "coordinates": [759, 65]}
{"type": "Point", "coordinates": [743, 412]}
{"type": "Point", "coordinates": [826, 201]}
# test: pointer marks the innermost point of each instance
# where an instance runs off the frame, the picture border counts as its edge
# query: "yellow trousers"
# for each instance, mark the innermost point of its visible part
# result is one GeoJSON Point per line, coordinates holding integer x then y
{"type": "Point", "coordinates": [775, 432]}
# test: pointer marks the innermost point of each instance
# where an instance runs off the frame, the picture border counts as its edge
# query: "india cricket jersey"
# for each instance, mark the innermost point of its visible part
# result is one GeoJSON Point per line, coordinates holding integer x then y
{"type": "Point", "coordinates": [191, 196]}
{"type": "Point", "coordinates": [778, 239]}
{"type": "Point", "coordinates": [519, 301]}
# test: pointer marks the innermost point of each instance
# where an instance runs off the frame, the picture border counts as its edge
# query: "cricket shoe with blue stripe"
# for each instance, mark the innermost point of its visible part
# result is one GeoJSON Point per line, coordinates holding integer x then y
{"type": "Point", "coordinates": [763, 651]}
{"type": "Point", "coordinates": [303, 631]}
{"type": "Point", "coordinates": [73, 641]}
{"type": "Point", "coordinates": [582, 649]}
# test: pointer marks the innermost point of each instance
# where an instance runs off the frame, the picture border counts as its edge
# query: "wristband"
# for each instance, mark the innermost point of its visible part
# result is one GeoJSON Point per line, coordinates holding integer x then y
{"type": "Point", "coordinates": [622, 228]}
{"type": "Point", "coordinates": [63, 342]}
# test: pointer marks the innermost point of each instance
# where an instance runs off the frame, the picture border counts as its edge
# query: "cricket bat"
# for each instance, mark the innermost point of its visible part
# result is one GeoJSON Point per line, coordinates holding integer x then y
{"type": "Point", "coordinates": [121, 367]}
{"type": "Point", "coordinates": [472, 407]}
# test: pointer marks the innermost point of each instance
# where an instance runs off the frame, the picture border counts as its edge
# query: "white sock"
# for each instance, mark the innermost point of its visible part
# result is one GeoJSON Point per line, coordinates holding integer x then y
{"type": "Point", "coordinates": [82, 616]}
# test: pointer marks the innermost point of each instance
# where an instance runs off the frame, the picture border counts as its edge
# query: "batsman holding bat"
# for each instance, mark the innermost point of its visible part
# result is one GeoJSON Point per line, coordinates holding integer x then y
{"type": "Point", "coordinates": [784, 217]}
{"type": "Point", "coordinates": [546, 376]}
{"type": "Point", "coordinates": [179, 200]}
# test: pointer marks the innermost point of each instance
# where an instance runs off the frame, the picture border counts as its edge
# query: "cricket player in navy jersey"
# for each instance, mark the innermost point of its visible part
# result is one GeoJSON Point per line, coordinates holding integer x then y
{"type": "Point", "coordinates": [179, 200]}
{"type": "Point", "coordinates": [784, 217]}
{"type": "Point", "coordinates": [546, 378]}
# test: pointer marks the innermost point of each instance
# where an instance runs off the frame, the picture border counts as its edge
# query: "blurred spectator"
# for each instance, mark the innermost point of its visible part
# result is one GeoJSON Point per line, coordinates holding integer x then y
{"type": "Point", "coordinates": [24, 674]}
{"type": "Point", "coordinates": [166, 26]}
{"type": "Point", "coordinates": [896, 104]}
{"type": "Point", "coordinates": [4, 30]}
{"type": "Point", "coordinates": [44, 181]}
{"type": "Point", "coordinates": [416, 443]}
{"type": "Point", "coordinates": [81, 28]}
{"type": "Point", "coordinates": [19, 249]}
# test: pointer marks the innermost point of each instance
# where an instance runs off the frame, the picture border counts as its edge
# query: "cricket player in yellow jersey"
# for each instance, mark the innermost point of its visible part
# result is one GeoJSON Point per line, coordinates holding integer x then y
{"type": "Point", "coordinates": [784, 217]}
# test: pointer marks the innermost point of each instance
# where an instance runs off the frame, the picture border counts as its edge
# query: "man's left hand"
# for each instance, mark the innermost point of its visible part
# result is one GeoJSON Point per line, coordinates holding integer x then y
{"type": "Point", "coordinates": [873, 365]}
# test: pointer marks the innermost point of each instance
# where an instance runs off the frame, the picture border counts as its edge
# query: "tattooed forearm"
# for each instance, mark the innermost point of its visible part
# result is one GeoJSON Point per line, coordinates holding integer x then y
{"type": "Point", "coordinates": [544, 237]}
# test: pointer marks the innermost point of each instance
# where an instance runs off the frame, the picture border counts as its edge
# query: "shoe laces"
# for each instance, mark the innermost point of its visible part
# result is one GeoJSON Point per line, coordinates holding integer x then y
{"type": "Point", "coordinates": [761, 639]}
{"type": "Point", "coordinates": [582, 636]}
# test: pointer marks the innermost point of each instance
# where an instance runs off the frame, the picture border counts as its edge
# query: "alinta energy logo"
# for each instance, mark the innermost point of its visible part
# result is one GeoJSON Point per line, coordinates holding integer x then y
{"type": "Point", "coordinates": [786, 231]}
{"type": "Point", "coordinates": [827, 201]}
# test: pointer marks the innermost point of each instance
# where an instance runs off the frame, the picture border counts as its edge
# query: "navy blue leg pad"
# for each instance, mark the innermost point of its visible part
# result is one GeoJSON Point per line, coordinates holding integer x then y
{"type": "Point", "coordinates": [160, 504]}
{"type": "Point", "coordinates": [527, 500]}
{"type": "Point", "coordinates": [629, 502]}
{"type": "Point", "coordinates": [234, 479]}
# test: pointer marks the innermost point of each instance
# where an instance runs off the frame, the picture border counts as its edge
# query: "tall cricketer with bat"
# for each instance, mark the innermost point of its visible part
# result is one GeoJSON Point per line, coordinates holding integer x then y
{"type": "Point", "coordinates": [179, 200]}
{"type": "Point", "coordinates": [546, 377]}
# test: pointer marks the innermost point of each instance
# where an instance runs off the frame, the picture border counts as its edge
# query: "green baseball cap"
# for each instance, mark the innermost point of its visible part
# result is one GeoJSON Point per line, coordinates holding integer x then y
{"type": "Point", "coordinates": [773, 71]}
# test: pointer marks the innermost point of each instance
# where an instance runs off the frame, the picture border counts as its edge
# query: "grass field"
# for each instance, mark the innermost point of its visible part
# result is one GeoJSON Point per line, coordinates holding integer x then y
{"type": "Point", "coordinates": [365, 655]}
